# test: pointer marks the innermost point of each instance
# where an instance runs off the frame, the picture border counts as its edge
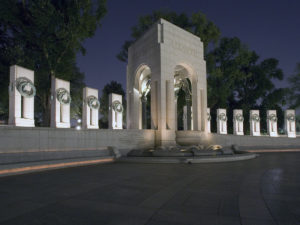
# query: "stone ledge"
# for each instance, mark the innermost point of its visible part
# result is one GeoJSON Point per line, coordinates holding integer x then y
{"type": "Point", "coordinates": [225, 158]}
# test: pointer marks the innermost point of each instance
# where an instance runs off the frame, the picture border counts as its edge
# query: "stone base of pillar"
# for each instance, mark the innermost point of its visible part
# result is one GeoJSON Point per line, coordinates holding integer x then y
{"type": "Point", "coordinates": [62, 125]}
{"type": "Point", "coordinates": [165, 138]}
{"type": "Point", "coordinates": [21, 122]}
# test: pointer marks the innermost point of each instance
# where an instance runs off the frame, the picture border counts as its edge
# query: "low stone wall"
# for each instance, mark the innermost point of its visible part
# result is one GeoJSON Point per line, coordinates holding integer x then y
{"type": "Point", "coordinates": [19, 144]}
{"type": "Point", "coordinates": [245, 142]}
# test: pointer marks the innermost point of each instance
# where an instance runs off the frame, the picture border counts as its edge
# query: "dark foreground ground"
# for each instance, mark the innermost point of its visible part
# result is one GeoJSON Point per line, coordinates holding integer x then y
{"type": "Point", "coordinates": [263, 191]}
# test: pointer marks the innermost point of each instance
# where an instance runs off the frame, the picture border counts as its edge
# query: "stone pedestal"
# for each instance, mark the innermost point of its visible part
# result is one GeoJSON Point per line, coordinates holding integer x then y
{"type": "Point", "coordinates": [254, 123]}
{"type": "Point", "coordinates": [208, 120]}
{"type": "Point", "coordinates": [221, 121]}
{"type": "Point", "coordinates": [21, 97]}
{"type": "Point", "coordinates": [165, 137]}
{"type": "Point", "coordinates": [238, 122]}
{"type": "Point", "coordinates": [290, 123]}
{"type": "Point", "coordinates": [272, 123]}
{"type": "Point", "coordinates": [60, 103]}
{"type": "Point", "coordinates": [90, 108]}
{"type": "Point", "coordinates": [115, 117]}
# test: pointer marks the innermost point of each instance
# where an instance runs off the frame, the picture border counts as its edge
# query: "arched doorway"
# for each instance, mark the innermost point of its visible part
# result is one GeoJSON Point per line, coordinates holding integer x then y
{"type": "Point", "coordinates": [183, 98]}
{"type": "Point", "coordinates": [143, 87]}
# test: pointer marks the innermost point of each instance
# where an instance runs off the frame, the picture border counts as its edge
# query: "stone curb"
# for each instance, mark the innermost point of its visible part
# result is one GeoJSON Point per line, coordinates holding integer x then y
{"type": "Point", "coordinates": [232, 158]}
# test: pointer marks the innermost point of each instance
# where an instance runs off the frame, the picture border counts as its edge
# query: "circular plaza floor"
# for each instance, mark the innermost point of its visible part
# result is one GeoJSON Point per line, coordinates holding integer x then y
{"type": "Point", "coordinates": [261, 191]}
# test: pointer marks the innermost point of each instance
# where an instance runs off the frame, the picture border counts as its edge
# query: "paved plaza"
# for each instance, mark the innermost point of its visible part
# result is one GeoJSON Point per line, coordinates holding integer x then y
{"type": "Point", "coordinates": [265, 190]}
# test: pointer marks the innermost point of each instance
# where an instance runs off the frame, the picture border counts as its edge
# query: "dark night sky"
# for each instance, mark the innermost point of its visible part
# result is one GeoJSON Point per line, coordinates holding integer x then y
{"type": "Point", "coordinates": [270, 27]}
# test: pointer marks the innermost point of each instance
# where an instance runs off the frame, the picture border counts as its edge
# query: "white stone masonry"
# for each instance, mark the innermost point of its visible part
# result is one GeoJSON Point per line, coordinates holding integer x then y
{"type": "Point", "coordinates": [221, 121]}
{"type": "Point", "coordinates": [238, 122]}
{"type": "Point", "coordinates": [290, 123]}
{"type": "Point", "coordinates": [21, 97]}
{"type": "Point", "coordinates": [90, 108]}
{"type": "Point", "coordinates": [115, 117]}
{"type": "Point", "coordinates": [60, 103]}
{"type": "Point", "coordinates": [254, 123]}
{"type": "Point", "coordinates": [272, 123]}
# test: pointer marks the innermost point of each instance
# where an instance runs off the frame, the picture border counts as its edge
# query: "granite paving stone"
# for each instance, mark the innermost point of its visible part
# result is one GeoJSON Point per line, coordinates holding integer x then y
{"type": "Point", "coordinates": [261, 191]}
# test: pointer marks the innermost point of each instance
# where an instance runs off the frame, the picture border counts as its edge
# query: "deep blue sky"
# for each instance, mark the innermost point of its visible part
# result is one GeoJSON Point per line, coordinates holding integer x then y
{"type": "Point", "coordinates": [270, 27]}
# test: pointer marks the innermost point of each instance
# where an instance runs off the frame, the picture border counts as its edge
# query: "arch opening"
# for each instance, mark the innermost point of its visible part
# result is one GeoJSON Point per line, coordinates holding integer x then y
{"type": "Point", "coordinates": [143, 87]}
{"type": "Point", "coordinates": [183, 98]}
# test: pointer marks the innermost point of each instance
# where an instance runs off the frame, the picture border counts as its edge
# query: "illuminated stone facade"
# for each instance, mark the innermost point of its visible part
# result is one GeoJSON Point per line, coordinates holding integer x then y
{"type": "Point", "coordinates": [254, 123]}
{"type": "Point", "coordinates": [60, 103]}
{"type": "Point", "coordinates": [290, 123]}
{"type": "Point", "coordinates": [115, 115]}
{"type": "Point", "coordinates": [221, 121]}
{"type": "Point", "coordinates": [21, 97]}
{"type": "Point", "coordinates": [90, 108]}
{"type": "Point", "coordinates": [272, 123]}
{"type": "Point", "coordinates": [168, 56]}
{"type": "Point", "coordinates": [238, 122]}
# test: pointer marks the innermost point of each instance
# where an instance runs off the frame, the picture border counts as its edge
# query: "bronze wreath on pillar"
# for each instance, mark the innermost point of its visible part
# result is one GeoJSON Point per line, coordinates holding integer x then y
{"type": "Point", "coordinates": [255, 117]}
{"type": "Point", "coordinates": [93, 102]}
{"type": "Point", "coordinates": [222, 117]}
{"type": "Point", "coordinates": [290, 117]}
{"type": "Point", "coordinates": [117, 106]}
{"type": "Point", "coordinates": [25, 87]}
{"type": "Point", "coordinates": [63, 96]}
{"type": "Point", "coordinates": [239, 117]}
{"type": "Point", "coordinates": [272, 118]}
{"type": "Point", "coordinates": [208, 117]}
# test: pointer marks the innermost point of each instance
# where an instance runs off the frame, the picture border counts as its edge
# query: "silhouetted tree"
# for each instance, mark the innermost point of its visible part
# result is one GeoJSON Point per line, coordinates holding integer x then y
{"type": "Point", "coordinates": [294, 95]}
{"type": "Point", "coordinates": [298, 123]}
{"type": "Point", "coordinates": [238, 80]}
{"type": "Point", "coordinates": [197, 24]}
{"type": "Point", "coordinates": [45, 36]}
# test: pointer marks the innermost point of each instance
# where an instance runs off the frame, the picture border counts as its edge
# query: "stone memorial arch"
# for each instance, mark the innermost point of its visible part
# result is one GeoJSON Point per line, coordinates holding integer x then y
{"type": "Point", "coordinates": [165, 59]}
